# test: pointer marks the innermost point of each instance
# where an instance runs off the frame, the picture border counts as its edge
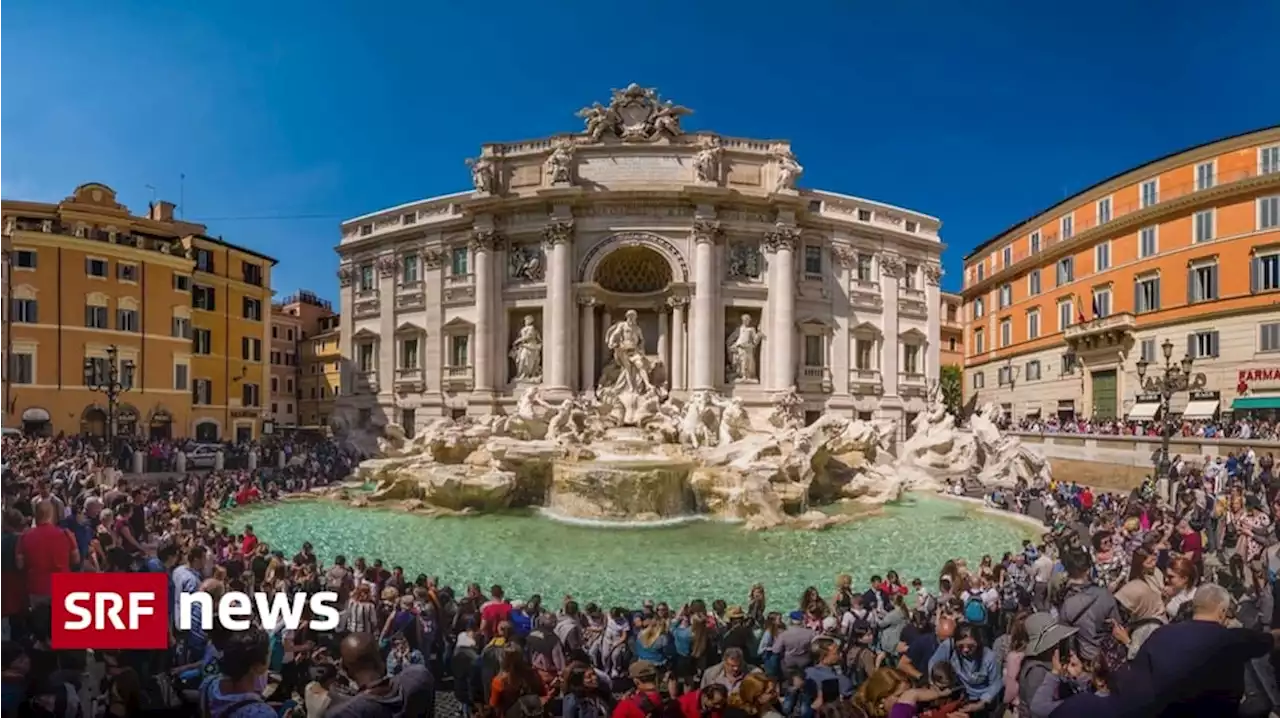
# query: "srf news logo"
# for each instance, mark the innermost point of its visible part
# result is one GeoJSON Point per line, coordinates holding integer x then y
{"type": "Point", "coordinates": [131, 611]}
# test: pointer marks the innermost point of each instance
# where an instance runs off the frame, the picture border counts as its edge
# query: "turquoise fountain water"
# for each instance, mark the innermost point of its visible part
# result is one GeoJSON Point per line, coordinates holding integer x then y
{"type": "Point", "coordinates": [529, 554]}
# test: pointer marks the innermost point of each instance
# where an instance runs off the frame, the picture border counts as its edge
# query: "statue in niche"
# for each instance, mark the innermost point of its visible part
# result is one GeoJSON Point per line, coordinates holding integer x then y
{"type": "Point", "coordinates": [745, 261]}
{"type": "Point", "coordinates": [706, 163]}
{"type": "Point", "coordinates": [526, 350]}
{"type": "Point", "coordinates": [626, 340]}
{"type": "Point", "coordinates": [742, 346]}
{"type": "Point", "coordinates": [526, 263]}
{"type": "Point", "coordinates": [559, 163]}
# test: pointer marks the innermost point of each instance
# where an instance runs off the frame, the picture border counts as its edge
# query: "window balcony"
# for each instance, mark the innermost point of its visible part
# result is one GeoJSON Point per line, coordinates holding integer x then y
{"type": "Point", "coordinates": [1104, 331]}
{"type": "Point", "coordinates": [815, 378]}
{"type": "Point", "coordinates": [865, 381]}
{"type": "Point", "coordinates": [459, 378]}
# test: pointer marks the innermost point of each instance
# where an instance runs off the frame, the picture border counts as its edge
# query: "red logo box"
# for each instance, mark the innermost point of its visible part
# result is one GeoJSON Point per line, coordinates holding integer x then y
{"type": "Point", "coordinates": [112, 611]}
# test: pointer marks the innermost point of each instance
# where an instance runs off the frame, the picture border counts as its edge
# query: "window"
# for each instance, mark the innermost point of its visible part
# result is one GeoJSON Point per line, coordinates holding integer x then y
{"type": "Point", "coordinates": [1102, 257]}
{"type": "Point", "coordinates": [203, 297]}
{"type": "Point", "coordinates": [96, 317]}
{"type": "Point", "coordinates": [1033, 282]}
{"type": "Point", "coordinates": [813, 261]}
{"type": "Point", "coordinates": [288, 387]}
{"type": "Point", "coordinates": [458, 262]}
{"type": "Point", "coordinates": [1269, 337]}
{"type": "Point", "coordinates": [126, 272]}
{"type": "Point", "coordinates": [979, 307]}
{"type": "Point", "coordinates": [181, 376]}
{"type": "Point", "coordinates": [98, 370]}
{"type": "Point", "coordinates": [288, 335]}
{"type": "Point", "coordinates": [1006, 295]}
{"type": "Point", "coordinates": [1004, 375]}
{"type": "Point", "coordinates": [250, 349]}
{"type": "Point", "coordinates": [364, 355]}
{"type": "Point", "coordinates": [1006, 332]}
{"type": "Point", "coordinates": [459, 352]}
{"type": "Point", "coordinates": [1202, 345]}
{"type": "Point", "coordinates": [25, 259]}
{"type": "Point", "coordinates": [275, 408]}
{"type": "Point", "coordinates": [1068, 364]}
{"type": "Point", "coordinates": [202, 391]}
{"type": "Point", "coordinates": [182, 282]}
{"type": "Point", "coordinates": [813, 354]}
{"type": "Point", "coordinates": [1104, 210]}
{"type": "Point", "coordinates": [910, 226]}
{"type": "Point", "coordinates": [864, 354]}
{"type": "Point", "coordinates": [180, 328]}
{"type": "Point", "coordinates": [250, 396]}
{"type": "Point", "coordinates": [409, 269]}
{"type": "Point", "coordinates": [1146, 294]}
{"type": "Point", "coordinates": [1068, 226]}
{"type": "Point", "coordinates": [252, 273]}
{"type": "Point", "coordinates": [275, 359]}
{"type": "Point", "coordinates": [864, 215]}
{"type": "Point", "coordinates": [1202, 284]}
{"type": "Point", "coordinates": [366, 278]}
{"type": "Point", "coordinates": [1066, 270]}
{"type": "Point", "coordinates": [1033, 324]}
{"type": "Point", "coordinates": [409, 354]}
{"type": "Point", "coordinates": [1150, 192]}
{"type": "Point", "coordinates": [202, 341]}
{"type": "Point", "coordinates": [1204, 175]}
{"type": "Point", "coordinates": [1033, 370]}
{"type": "Point", "coordinates": [1008, 255]}
{"type": "Point", "coordinates": [978, 380]}
{"type": "Point", "coordinates": [951, 344]}
{"type": "Point", "coordinates": [979, 341]}
{"type": "Point", "coordinates": [982, 270]}
{"type": "Point", "coordinates": [252, 309]}
{"type": "Point", "coordinates": [1064, 315]}
{"type": "Point", "coordinates": [22, 368]}
{"type": "Point", "coordinates": [1034, 241]}
{"type": "Point", "coordinates": [1101, 303]}
{"type": "Point", "coordinates": [864, 267]}
{"type": "Point", "coordinates": [910, 358]}
{"type": "Point", "coordinates": [95, 267]}
{"type": "Point", "coordinates": [1148, 350]}
{"type": "Point", "coordinates": [127, 320]}
{"type": "Point", "coordinates": [1269, 212]}
{"type": "Point", "coordinates": [1269, 160]}
{"type": "Point", "coordinates": [24, 311]}
{"type": "Point", "coordinates": [1204, 225]}
{"type": "Point", "coordinates": [1264, 273]}
{"type": "Point", "coordinates": [204, 260]}
{"type": "Point", "coordinates": [1147, 242]}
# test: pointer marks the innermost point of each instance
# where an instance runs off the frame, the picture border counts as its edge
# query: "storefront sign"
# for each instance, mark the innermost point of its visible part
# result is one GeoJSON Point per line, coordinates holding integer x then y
{"type": "Point", "coordinates": [244, 414]}
{"type": "Point", "coordinates": [1148, 398]}
{"type": "Point", "coordinates": [1247, 379]}
{"type": "Point", "coordinates": [126, 414]}
{"type": "Point", "coordinates": [1206, 396]}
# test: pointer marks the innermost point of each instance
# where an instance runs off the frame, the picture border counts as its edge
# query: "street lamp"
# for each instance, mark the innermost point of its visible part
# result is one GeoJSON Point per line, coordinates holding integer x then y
{"type": "Point", "coordinates": [1176, 377]}
{"type": "Point", "coordinates": [112, 377]}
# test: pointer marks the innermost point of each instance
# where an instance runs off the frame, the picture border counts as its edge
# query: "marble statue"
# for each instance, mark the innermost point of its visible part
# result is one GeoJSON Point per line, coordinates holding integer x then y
{"type": "Point", "coordinates": [483, 174]}
{"type": "Point", "coordinates": [560, 163]}
{"type": "Point", "coordinates": [789, 170]}
{"type": "Point", "coordinates": [788, 410]}
{"type": "Point", "coordinates": [707, 161]}
{"type": "Point", "coordinates": [625, 339]}
{"type": "Point", "coordinates": [666, 119]}
{"type": "Point", "coordinates": [526, 350]}
{"type": "Point", "coordinates": [598, 119]}
{"type": "Point", "coordinates": [526, 263]}
{"type": "Point", "coordinates": [742, 351]}
{"type": "Point", "coordinates": [745, 261]}
{"type": "Point", "coordinates": [634, 114]}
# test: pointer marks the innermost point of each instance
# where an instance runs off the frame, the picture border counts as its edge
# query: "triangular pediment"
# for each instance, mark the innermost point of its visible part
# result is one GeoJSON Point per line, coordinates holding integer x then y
{"type": "Point", "coordinates": [913, 334]}
{"type": "Point", "coordinates": [867, 328]}
{"type": "Point", "coordinates": [410, 328]}
{"type": "Point", "coordinates": [458, 324]}
{"type": "Point", "coordinates": [364, 333]}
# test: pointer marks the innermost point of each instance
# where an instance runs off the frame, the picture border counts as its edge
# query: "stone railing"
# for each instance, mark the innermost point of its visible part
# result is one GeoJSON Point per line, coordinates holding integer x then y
{"type": "Point", "coordinates": [1136, 450]}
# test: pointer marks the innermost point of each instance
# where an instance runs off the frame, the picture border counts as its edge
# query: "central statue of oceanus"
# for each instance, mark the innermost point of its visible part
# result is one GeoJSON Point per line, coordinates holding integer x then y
{"type": "Point", "coordinates": [627, 387]}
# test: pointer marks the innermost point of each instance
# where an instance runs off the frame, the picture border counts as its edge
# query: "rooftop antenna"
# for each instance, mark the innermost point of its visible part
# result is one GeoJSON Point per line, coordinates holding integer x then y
{"type": "Point", "coordinates": [182, 193]}
{"type": "Point", "coordinates": [153, 192]}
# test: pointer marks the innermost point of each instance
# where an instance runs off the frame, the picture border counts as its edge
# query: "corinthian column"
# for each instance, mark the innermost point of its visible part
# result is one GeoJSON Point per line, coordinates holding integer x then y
{"type": "Point", "coordinates": [706, 302]}
{"type": "Point", "coordinates": [780, 244]}
{"type": "Point", "coordinates": [556, 243]}
{"type": "Point", "coordinates": [484, 243]}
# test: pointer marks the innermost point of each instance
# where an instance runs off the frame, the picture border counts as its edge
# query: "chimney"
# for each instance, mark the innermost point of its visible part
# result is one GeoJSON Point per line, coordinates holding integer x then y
{"type": "Point", "coordinates": [161, 211]}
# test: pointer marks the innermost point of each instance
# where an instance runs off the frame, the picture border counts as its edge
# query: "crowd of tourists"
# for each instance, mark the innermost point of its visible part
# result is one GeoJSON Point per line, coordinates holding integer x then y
{"type": "Point", "coordinates": [1159, 602]}
{"type": "Point", "coordinates": [1244, 429]}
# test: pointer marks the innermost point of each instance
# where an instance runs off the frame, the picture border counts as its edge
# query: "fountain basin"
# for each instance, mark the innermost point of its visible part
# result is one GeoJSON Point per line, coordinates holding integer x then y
{"type": "Point", "coordinates": [620, 487]}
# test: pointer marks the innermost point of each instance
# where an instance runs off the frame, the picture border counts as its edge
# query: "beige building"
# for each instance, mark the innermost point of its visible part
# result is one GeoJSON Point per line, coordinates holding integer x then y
{"type": "Point", "coordinates": [741, 282]}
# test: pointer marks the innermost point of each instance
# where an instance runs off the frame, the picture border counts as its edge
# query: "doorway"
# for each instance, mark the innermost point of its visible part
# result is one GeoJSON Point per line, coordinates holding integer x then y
{"type": "Point", "coordinates": [207, 432]}
{"type": "Point", "coordinates": [1104, 394]}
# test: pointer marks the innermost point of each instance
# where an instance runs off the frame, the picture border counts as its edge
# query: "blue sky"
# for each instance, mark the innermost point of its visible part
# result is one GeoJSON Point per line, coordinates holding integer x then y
{"type": "Point", "coordinates": [288, 117]}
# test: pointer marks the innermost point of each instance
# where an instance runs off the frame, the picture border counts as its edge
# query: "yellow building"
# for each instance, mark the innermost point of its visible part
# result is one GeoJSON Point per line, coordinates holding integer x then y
{"type": "Point", "coordinates": [321, 380]}
{"type": "Point", "coordinates": [83, 275]}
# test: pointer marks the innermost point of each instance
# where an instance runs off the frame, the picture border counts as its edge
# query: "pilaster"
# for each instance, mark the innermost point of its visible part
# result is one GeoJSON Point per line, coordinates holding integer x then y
{"type": "Point", "coordinates": [706, 233]}
{"type": "Point", "coordinates": [780, 246]}
{"type": "Point", "coordinates": [891, 267]}
{"type": "Point", "coordinates": [484, 244]}
{"type": "Point", "coordinates": [557, 240]}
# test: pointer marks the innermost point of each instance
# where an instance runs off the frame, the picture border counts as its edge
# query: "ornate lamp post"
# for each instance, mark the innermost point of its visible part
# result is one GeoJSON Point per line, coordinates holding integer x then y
{"type": "Point", "coordinates": [112, 377]}
{"type": "Point", "coordinates": [1176, 377]}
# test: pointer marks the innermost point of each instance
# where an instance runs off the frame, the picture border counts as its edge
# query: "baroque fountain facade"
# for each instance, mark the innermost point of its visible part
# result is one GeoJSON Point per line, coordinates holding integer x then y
{"type": "Point", "coordinates": [635, 321]}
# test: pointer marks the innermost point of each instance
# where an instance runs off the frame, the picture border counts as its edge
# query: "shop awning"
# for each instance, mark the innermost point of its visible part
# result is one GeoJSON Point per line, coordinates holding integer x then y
{"type": "Point", "coordinates": [1245, 403]}
{"type": "Point", "coordinates": [1144, 410]}
{"type": "Point", "coordinates": [1200, 409]}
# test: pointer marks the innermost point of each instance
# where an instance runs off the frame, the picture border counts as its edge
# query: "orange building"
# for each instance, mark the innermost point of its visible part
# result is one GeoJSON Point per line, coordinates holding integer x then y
{"type": "Point", "coordinates": [308, 316]}
{"type": "Point", "coordinates": [84, 275]}
{"type": "Point", "coordinates": [1059, 308]}
{"type": "Point", "coordinates": [951, 330]}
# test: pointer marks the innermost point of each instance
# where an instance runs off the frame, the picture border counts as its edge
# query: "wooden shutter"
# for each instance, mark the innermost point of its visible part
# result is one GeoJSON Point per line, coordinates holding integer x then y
{"type": "Point", "coordinates": [1213, 282]}
{"type": "Point", "coordinates": [1254, 270]}
{"type": "Point", "coordinates": [1156, 296]}
{"type": "Point", "coordinates": [1191, 346]}
{"type": "Point", "coordinates": [1191, 283]}
{"type": "Point", "coordinates": [1213, 343]}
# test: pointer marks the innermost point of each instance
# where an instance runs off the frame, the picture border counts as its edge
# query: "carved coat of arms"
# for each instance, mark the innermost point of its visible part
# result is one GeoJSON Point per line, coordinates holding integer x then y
{"type": "Point", "coordinates": [635, 114]}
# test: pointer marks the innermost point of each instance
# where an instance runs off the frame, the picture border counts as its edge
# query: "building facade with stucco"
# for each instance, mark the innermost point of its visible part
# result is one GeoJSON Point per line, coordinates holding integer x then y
{"type": "Point", "coordinates": [740, 281]}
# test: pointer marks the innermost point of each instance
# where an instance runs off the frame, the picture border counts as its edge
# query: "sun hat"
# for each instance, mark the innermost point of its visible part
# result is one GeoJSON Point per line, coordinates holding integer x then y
{"type": "Point", "coordinates": [1044, 632]}
{"type": "Point", "coordinates": [734, 612]}
{"type": "Point", "coordinates": [642, 670]}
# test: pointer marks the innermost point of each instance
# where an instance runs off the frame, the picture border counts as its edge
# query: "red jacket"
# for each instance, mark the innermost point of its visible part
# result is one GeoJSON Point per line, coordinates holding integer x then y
{"type": "Point", "coordinates": [629, 707]}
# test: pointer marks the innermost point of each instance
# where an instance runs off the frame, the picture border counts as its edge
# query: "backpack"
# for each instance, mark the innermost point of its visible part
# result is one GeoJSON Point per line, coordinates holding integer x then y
{"type": "Point", "coordinates": [527, 706]}
{"type": "Point", "coordinates": [975, 612]}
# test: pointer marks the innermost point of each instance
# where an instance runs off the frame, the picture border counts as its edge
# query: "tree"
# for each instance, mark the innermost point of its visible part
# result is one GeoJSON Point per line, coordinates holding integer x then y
{"type": "Point", "coordinates": [951, 382]}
